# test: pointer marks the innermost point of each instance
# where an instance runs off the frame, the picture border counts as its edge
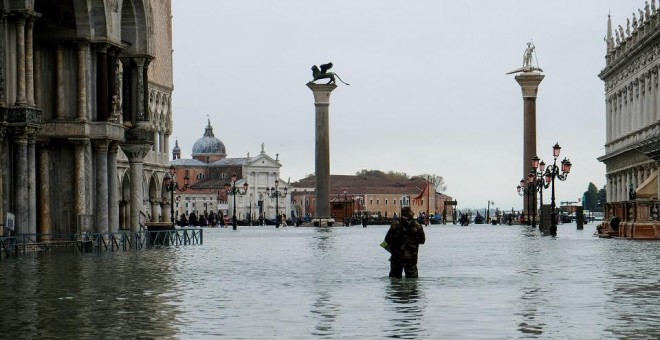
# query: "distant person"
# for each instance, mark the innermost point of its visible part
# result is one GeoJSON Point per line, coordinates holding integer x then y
{"type": "Point", "coordinates": [364, 221]}
{"type": "Point", "coordinates": [402, 241]}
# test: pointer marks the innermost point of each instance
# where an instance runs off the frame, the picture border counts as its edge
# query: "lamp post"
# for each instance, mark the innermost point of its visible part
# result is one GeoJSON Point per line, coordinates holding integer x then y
{"type": "Point", "coordinates": [488, 211]}
{"type": "Point", "coordinates": [539, 184]}
{"type": "Point", "coordinates": [345, 209]}
{"type": "Point", "coordinates": [550, 174]}
{"type": "Point", "coordinates": [234, 191]}
{"type": "Point", "coordinates": [526, 188]}
{"type": "Point", "coordinates": [275, 192]}
{"type": "Point", "coordinates": [171, 185]}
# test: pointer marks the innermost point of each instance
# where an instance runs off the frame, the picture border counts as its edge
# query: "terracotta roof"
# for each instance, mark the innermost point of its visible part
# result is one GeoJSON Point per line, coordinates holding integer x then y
{"type": "Point", "coordinates": [356, 185]}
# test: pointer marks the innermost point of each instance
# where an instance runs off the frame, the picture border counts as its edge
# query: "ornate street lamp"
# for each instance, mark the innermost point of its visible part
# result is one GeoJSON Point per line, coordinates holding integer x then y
{"type": "Point", "coordinates": [275, 192]}
{"type": "Point", "coordinates": [234, 191]}
{"type": "Point", "coordinates": [525, 189]}
{"type": "Point", "coordinates": [550, 174]}
{"type": "Point", "coordinates": [171, 185]}
{"type": "Point", "coordinates": [538, 173]}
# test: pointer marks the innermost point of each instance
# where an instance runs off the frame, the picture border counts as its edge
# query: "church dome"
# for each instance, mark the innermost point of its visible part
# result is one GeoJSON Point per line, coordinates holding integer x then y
{"type": "Point", "coordinates": [208, 144]}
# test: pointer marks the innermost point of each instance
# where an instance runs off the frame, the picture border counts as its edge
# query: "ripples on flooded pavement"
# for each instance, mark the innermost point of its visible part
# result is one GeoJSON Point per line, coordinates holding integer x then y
{"type": "Point", "coordinates": [299, 283]}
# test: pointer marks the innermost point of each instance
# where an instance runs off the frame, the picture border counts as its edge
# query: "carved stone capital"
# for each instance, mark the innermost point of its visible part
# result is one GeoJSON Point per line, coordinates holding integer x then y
{"type": "Point", "coordinates": [101, 145]}
{"type": "Point", "coordinates": [136, 152]}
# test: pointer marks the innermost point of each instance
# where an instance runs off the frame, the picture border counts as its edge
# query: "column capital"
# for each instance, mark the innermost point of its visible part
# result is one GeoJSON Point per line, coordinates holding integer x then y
{"type": "Point", "coordinates": [101, 145]}
{"type": "Point", "coordinates": [529, 83]}
{"type": "Point", "coordinates": [79, 142]}
{"type": "Point", "coordinates": [321, 92]}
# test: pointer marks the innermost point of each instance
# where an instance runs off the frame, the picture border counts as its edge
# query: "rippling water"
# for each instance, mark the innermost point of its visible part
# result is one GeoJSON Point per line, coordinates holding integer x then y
{"type": "Point", "coordinates": [290, 283]}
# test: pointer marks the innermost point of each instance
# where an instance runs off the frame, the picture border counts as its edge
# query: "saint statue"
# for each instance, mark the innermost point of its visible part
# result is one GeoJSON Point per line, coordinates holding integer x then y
{"type": "Point", "coordinates": [528, 60]}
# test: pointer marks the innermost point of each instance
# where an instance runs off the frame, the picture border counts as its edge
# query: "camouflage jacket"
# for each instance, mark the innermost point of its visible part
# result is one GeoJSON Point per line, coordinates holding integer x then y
{"type": "Point", "coordinates": [403, 239]}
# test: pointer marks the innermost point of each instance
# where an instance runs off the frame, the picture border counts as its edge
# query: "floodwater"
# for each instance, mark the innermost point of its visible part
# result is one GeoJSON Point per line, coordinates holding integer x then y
{"type": "Point", "coordinates": [490, 282]}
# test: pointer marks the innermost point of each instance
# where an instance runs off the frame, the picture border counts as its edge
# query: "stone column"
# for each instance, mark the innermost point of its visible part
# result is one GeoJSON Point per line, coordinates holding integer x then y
{"type": "Point", "coordinates": [20, 184]}
{"type": "Point", "coordinates": [155, 210]}
{"type": "Point", "coordinates": [113, 194]}
{"type": "Point", "coordinates": [32, 183]}
{"type": "Point", "coordinates": [46, 219]}
{"type": "Point", "coordinates": [141, 114]}
{"type": "Point", "coordinates": [608, 187]}
{"type": "Point", "coordinates": [136, 154]}
{"type": "Point", "coordinates": [37, 79]}
{"type": "Point", "coordinates": [102, 195]}
{"type": "Point", "coordinates": [102, 82]}
{"type": "Point", "coordinates": [3, 48]}
{"type": "Point", "coordinates": [20, 61]}
{"type": "Point", "coordinates": [59, 81]}
{"type": "Point", "coordinates": [79, 192]}
{"type": "Point", "coordinates": [322, 164]}
{"type": "Point", "coordinates": [82, 82]}
{"type": "Point", "coordinates": [3, 162]}
{"type": "Point", "coordinates": [529, 83]}
{"type": "Point", "coordinates": [608, 116]}
{"type": "Point", "coordinates": [166, 206]}
{"type": "Point", "coordinates": [29, 62]}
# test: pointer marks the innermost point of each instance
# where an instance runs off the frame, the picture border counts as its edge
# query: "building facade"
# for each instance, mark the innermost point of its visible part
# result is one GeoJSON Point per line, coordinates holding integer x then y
{"type": "Point", "coordinates": [85, 113]}
{"type": "Point", "coordinates": [209, 171]}
{"type": "Point", "coordinates": [632, 146]}
{"type": "Point", "coordinates": [372, 196]}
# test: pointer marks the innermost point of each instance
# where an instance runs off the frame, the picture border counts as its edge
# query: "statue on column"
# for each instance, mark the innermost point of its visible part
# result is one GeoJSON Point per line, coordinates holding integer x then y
{"type": "Point", "coordinates": [323, 73]}
{"type": "Point", "coordinates": [528, 60]}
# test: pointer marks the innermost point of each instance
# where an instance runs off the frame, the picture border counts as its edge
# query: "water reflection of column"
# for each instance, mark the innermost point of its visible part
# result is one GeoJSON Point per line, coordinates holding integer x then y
{"type": "Point", "coordinates": [46, 225]}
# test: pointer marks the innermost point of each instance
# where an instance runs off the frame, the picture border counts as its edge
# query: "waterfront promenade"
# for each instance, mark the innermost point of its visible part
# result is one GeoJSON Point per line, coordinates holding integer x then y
{"type": "Point", "coordinates": [481, 281]}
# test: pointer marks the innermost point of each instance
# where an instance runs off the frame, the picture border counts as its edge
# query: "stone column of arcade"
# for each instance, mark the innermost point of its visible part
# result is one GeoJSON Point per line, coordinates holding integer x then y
{"type": "Point", "coordinates": [322, 164]}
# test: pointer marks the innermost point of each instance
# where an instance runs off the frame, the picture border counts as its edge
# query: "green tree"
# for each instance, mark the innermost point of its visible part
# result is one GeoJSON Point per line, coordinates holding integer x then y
{"type": "Point", "coordinates": [590, 197]}
{"type": "Point", "coordinates": [602, 199]}
{"type": "Point", "coordinates": [392, 175]}
{"type": "Point", "coordinates": [437, 181]}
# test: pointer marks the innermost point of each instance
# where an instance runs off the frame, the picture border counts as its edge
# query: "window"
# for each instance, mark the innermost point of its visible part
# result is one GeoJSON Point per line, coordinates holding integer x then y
{"type": "Point", "coordinates": [377, 202]}
{"type": "Point", "coordinates": [385, 201]}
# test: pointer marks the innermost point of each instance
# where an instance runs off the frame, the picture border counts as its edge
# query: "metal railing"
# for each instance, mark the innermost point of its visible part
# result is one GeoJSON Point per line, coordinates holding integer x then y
{"type": "Point", "coordinates": [90, 242]}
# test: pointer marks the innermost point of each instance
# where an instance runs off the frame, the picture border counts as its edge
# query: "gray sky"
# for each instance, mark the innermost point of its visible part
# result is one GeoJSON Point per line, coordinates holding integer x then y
{"type": "Point", "coordinates": [428, 89]}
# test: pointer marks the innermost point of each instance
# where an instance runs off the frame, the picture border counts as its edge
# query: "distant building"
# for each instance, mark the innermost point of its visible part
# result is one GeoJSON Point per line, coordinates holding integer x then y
{"type": "Point", "coordinates": [373, 196]}
{"type": "Point", "coordinates": [208, 171]}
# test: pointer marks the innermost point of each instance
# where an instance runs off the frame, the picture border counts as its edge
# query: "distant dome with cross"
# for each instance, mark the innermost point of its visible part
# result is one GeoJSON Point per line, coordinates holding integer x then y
{"type": "Point", "coordinates": [209, 148]}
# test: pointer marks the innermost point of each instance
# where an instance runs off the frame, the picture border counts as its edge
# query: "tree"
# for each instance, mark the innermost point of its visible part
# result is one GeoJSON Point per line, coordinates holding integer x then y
{"type": "Point", "coordinates": [391, 175]}
{"type": "Point", "coordinates": [437, 181]}
{"type": "Point", "coordinates": [602, 198]}
{"type": "Point", "coordinates": [590, 201]}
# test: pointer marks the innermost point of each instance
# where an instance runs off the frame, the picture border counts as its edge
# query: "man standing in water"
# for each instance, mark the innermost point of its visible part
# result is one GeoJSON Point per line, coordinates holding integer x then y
{"type": "Point", "coordinates": [403, 240]}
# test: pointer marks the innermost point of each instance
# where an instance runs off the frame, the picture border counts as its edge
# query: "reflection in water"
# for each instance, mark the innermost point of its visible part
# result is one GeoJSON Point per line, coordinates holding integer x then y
{"type": "Point", "coordinates": [530, 284]}
{"type": "Point", "coordinates": [493, 282]}
{"type": "Point", "coordinates": [327, 312]}
{"type": "Point", "coordinates": [407, 301]}
{"type": "Point", "coordinates": [95, 295]}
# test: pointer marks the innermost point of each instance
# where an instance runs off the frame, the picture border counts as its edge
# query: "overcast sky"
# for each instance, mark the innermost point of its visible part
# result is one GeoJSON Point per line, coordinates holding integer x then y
{"type": "Point", "coordinates": [429, 91]}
